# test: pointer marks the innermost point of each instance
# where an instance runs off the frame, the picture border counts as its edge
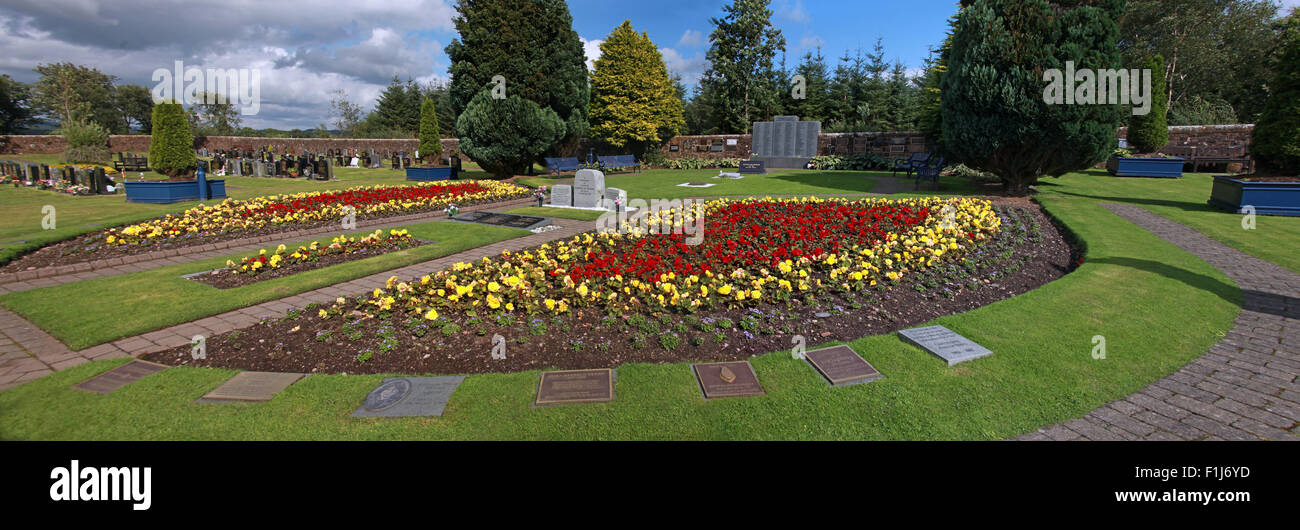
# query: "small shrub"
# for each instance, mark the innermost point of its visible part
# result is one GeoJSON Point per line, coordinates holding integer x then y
{"type": "Point", "coordinates": [87, 142]}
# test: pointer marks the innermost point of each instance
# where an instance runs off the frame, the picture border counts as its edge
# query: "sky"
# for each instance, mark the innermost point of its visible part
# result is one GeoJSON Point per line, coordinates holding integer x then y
{"type": "Point", "coordinates": [303, 51]}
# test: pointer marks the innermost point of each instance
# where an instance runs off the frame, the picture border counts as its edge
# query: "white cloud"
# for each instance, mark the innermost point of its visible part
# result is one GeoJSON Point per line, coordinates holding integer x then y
{"type": "Point", "coordinates": [592, 49]}
{"type": "Point", "coordinates": [691, 38]}
{"type": "Point", "coordinates": [690, 68]}
{"type": "Point", "coordinates": [810, 42]}
{"type": "Point", "coordinates": [794, 12]}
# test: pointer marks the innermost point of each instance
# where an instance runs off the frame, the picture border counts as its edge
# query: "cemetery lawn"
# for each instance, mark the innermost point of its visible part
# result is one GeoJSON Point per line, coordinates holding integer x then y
{"type": "Point", "coordinates": [561, 213]}
{"type": "Point", "coordinates": [1275, 237]}
{"type": "Point", "coordinates": [663, 183]}
{"type": "Point", "coordinates": [1157, 307]}
{"type": "Point", "coordinates": [87, 313]}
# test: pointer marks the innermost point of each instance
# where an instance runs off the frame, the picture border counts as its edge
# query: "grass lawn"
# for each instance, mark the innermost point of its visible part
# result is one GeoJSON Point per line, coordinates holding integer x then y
{"type": "Point", "coordinates": [663, 183]}
{"type": "Point", "coordinates": [1275, 238]}
{"type": "Point", "coordinates": [92, 312]}
{"type": "Point", "coordinates": [1157, 307]}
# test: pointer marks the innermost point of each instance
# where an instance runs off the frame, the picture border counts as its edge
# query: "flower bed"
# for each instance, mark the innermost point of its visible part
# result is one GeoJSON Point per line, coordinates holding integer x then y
{"type": "Point", "coordinates": [281, 262]}
{"type": "Point", "coordinates": [234, 219]}
{"type": "Point", "coordinates": [400, 330]}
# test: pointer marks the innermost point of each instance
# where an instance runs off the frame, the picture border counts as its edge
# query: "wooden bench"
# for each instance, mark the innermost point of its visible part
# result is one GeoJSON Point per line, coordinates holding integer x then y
{"type": "Point", "coordinates": [557, 165]}
{"type": "Point", "coordinates": [130, 163]}
{"type": "Point", "coordinates": [1196, 156]}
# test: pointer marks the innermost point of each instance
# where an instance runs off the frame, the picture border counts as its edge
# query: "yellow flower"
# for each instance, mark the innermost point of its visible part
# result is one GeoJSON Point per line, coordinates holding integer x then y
{"type": "Point", "coordinates": [724, 290]}
{"type": "Point", "coordinates": [432, 314]}
{"type": "Point", "coordinates": [323, 314]}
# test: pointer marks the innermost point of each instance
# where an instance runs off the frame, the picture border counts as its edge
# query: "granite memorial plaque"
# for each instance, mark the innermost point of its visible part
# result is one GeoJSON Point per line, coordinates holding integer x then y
{"type": "Point", "coordinates": [841, 366]}
{"type": "Point", "coordinates": [575, 386]}
{"type": "Point", "coordinates": [119, 377]}
{"type": "Point", "coordinates": [613, 195]}
{"type": "Point", "coordinates": [252, 386]}
{"type": "Point", "coordinates": [588, 188]}
{"type": "Point", "coordinates": [402, 397]}
{"type": "Point", "coordinates": [729, 379]}
{"type": "Point", "coordinates": [945, 343]}
{"type": "Point", "coordinates": [561, 195]}
{"type": "Point", "coordinates": [503, 219]}
{"type": "Point", "coordinates": [752, 167]}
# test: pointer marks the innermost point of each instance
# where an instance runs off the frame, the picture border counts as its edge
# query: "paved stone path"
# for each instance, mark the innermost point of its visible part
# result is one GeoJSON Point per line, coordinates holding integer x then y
{"type": "Point", "coordinates": [27, 352]}
{"type": "Point", "coordinates": [1243, 388]}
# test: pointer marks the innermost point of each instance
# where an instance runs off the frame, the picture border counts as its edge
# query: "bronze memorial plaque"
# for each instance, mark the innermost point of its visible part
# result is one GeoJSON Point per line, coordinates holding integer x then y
{"type": "Point", "coordinates": [841, 365]}
{"type": "Point", "coordinates": [120, 376]}
{"type": "Point", "coordinates": [731, 379]}
{"type": "Point", "coordinates": [575, 386]}
{"type": "Point", "coordinates": [252, 386]}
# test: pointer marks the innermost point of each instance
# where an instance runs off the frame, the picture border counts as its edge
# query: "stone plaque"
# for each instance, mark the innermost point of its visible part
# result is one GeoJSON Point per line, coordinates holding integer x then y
{"type": "Point", "coordinates": [562, 195]}
{"type": "Point", "coordinates": [785, 118]}
{"type": "Point", "coordinates": [503, 219]}
{"type": "Point", "coordinates": [730, 379]}
{"type": "Point", "coordinates": [944, 343]}
{"type": "Point", "coordinates": [575, 386]}
{"type": "Point", "coordinates": [841, 366]}
{"type": "Point", "coordinates": [615, 194]}
{"type": "Point", "coordinates": [252, 386]}
{"type": "Point", "coordinates": [588, 188]}
{"type": "Point", "coordinates": [752, 167]}
{"type": "Point", "coordinates": [119, 377]}
{"type": "Point", "coordinates": [402, 397]}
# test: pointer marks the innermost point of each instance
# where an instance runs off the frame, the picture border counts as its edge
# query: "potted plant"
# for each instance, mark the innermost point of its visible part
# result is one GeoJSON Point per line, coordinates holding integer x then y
{"type": "Point", "coordinates": [1125, 163]}
{"type": "Point", "coordinates": [451, 211]}
{"type": "Point", "coordinates": [540, 195]}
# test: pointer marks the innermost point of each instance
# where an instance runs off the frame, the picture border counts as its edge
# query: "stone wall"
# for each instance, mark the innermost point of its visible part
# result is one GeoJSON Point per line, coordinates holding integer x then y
{"type": "Point", "coordinates": [139, 143]}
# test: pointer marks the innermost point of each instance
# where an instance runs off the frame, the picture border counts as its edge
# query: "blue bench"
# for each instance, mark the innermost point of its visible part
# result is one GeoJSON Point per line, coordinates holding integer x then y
{"type": "Point", "coordinates": [620, 161]}
{"type": "Point", "coordinates": [556, 165]}
{"type": "Point", "coordinates": [929, 170]}
{"type": "Point", "coordinates": [910, 164]}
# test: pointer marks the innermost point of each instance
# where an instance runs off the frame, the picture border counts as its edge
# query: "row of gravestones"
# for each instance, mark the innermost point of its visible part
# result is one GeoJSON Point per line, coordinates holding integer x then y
{"type": "Point", "coordinates": [428, 396]}
{"type": "Point", "coordinates": [96, 179]}
{"type": "Point", "coordinates": [311, 168]}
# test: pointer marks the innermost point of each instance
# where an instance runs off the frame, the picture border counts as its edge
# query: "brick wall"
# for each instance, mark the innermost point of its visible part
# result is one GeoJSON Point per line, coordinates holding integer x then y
{"type": "Point", "coordinates": [139, 143]}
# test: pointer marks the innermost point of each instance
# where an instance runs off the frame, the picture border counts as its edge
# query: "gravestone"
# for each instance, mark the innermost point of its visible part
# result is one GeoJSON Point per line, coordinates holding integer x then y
{"type": "Point", "coordinates": [259, 169]}
{"type": "Point", "coordinates": [785, 142]}
{"type": "Point", "coordinates": [729, 379]}
{"type": "Point", "coordinates": [526, 222]}
{"type": "Point", "coordinates": [561, 195]}
{"type": "Point", "coordinates": [842, 366]}
{"type": "Point", "coordinates": [588, 188]}
{"type": "Point", "coordinates": [251, 386]}
{"type": "Point", "coordinates": [575, 386]}
{"type": "Point", "coordinates": [401, 397]}
{"type": "Point", "coordinates": [119, 377]}
{"type": "Point", "coordinates": [945, 343]}
{"type": "Point", "coordinates": [615, 198]}
{"type": "Point", "coordinates": [97, 181]}
{"type": "Point", "coordinates": [238, 168]}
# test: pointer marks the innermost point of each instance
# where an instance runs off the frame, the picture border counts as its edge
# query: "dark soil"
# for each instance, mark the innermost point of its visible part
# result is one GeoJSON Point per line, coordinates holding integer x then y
{"type": "Point", "coordinates": [91, 246]}
{"type": "Point", "coordinates": [224, 279]}
{"type": "Point", "coordinates": [1029, 252]}
{"type": "Point", "coordinates": [1271, 179]}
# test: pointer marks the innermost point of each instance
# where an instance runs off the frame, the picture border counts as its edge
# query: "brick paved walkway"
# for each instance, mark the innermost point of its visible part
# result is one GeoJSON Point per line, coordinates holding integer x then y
{"type": "Point", "coordinates": [1244, 388]}
{"type": "Point", "coordinates": [27, 352]}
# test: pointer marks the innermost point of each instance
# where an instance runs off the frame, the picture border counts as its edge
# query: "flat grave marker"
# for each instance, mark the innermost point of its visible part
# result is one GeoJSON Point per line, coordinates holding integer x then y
{"type": "Point", "coordinates": [575, 386]}
{"type": "Point", "coordinates": [728, 379]}
{"type": "Point", "coordinates": [118, 377]}
{"type": "Point", "coordinates": [251, 386]}
{"type": "Point", "coordinates": [841, 366]}
{"type": "Point", "coordinates": [503, 219]}
{"type": "Point", "coordinates": [945, 343]}
{"type": "Point", "coordinates": [403, 397]}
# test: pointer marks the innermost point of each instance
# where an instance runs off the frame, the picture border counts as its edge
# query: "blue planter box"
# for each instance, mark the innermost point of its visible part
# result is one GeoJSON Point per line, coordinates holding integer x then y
{"type": "Point", "coordinates": [428, 174]}
{"type": "Point", "coordinates": [169, 192]}
{"type": "Point", "coordinates": [1145, 167]}
{"type": "Point", "coordinates": [1270, 198]}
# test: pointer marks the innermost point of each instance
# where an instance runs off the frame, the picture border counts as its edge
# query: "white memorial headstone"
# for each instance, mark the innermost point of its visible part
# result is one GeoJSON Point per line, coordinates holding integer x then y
{"type": "Point", "coordinates": [588, 188]}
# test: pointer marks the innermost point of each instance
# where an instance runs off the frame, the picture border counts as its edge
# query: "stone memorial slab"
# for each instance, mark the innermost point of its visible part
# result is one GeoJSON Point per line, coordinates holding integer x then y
{"type": "Point", "coordinates": [588, 188]}
{"type": "Point", "coordinates": [118, 377]}
{"type": "Point", "coordinates": [842, 366]}
{"type": "Point", "coordinates": [562, 195]}
{"type": "Point", "coordinates": [503, 219]}
{"type": "Point", "coordinates": [613, 195]}
{"type": "Point", "coordinates": [945, 343]}
{"type": "Point", "coordinates": [403, 397]}
{"type": "Point", "coordinates": [752, 167]}
{"type": "Point", "coordinates": [729, 379]}
{"type": "Point", "coordinates": [252, 386]}
{"type": "Point", "coordinates": [575, 386]}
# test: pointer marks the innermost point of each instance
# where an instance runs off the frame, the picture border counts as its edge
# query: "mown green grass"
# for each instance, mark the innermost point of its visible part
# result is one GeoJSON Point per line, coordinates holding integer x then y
{"type": "Point", "coordinates": [1275, 238]}
{"type": "Point", "coordinates": [92, 312]}
{"type": "Point", "coordinates": [1157, 307]}
{"type": "Point", "coordinates": [663, 183]}
{"type": "Point", "coordinates": [562, 213]}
